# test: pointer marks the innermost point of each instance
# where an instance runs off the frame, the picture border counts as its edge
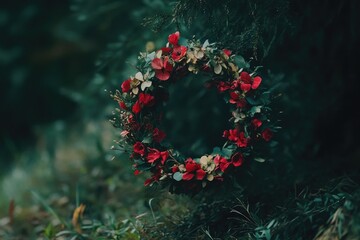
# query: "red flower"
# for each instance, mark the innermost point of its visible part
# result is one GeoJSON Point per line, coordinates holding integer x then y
{"type": "Point", "coordinates": [191, 165]}
{"type": "Point", "coordinates": [267, 134]}
{"type": "Point", "coordinates": [188, 176]}
{"type": "Point", "coordinates": [235, 98]}
{"type": "Point", "coordinates": [178, 53]}
{"type": "Point", "coordinates": [131, 122]}
{"type": "Point", "coordinates": [200, 174]}
{"type": "Point", "coordinates": [237, 137]}
{"type": "Point", "coordinates": [227, 52]}
{"type": "Point", "coordinates": [237, 159]}
{"type": "Point", "coordinates": [155, 177]}
{"type": "Point", "coordinates": [125, 86]}
{"type": "Point", "coordinates": [256, 82]}
{"type": "Point", "coordinates": [242, 141]}
{"type": "Point", "coordinates": [122, 105]}
{"type": "Point", "coordinates": [192, 170]}
{"type": "Point", "coordinates": [136, 107]}
{"type": "Point", "coordinates": [256, 123]}
{"type": "Point", "coordinates": [235, 84]}
{"type": "Point", "coordinates": [165, 50]}
{"type": "Point", "coordinates": [245, 87]}
{"type": "Point", "coordinates": [136, 172]}
{"type": "Point", "coordinates": [148, 181]}
{"type": "Point", "coordinates": [223, 86]}
{"type": "Point", "coordinates": [154, 155]}
{"type": "Point", "coordinates": [139, 148]}
{"type": "Point", "coordinates": [245, 77]}
{"type": "Point", "coordinates": [221, 163]}
{"type": "Point", "coordinates": [233, 135]}
{"type": "Point", "coordinates": [162, 68]}
{"type": "Point", "coordinates": [174, 38]}
{"type": "Point", "coordinates": [175, 169]}
{"type": "Point", "coordinates": [146, 99]}
{"type": "Point", "coordinates": [158, 135]}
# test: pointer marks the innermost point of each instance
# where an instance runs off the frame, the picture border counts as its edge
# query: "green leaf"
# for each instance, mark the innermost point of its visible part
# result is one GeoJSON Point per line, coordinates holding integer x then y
{"type": "Point", "coordinates": [48, 208]}
{"type": "Point", "coordinates": [254, 110]}
{"type": "Point", "coordinates": [261, 160]}
{"type": "Point", "coordinates": [252, 101]}
{"type": "Point", "coordinates": [147, 139]}
{"type": "Point", "coordinates": [240, 62]}
{"type": "Point", "coordinates": [49, 231]}
{"type": "Point", "coordinates": [265, 98]}
{"type": "Point", "coordinates": [216, 150]}
{"type": "Point", "coordinates": [177, 176]}
{"type": "Point", "coordinates": [228, 151]}
{"type": "Point", "coordinates": [150, 57]}
{"type": "Point", "coordinates": [143, 167]}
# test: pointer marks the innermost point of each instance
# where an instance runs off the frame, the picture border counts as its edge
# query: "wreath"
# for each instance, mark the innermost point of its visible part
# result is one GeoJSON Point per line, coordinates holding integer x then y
{"type": "Point", "coordinates": [143, 95]}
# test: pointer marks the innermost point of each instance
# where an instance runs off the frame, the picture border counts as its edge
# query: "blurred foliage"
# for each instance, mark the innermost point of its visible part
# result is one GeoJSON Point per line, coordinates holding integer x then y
{"type": "Point", "coordinates": [56, 60]}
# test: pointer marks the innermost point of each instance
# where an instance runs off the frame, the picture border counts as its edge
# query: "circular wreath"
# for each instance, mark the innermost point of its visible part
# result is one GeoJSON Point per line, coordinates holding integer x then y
{"type": "Point", "coordinates": [143, 95]}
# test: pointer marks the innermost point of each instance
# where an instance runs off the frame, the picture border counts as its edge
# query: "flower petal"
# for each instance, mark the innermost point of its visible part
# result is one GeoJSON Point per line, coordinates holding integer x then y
{"type": "Point", "coordinates": [188, 176]}
{"type": "Point", "coordinates": [136, 107]}
{"type": "Point", "coordinates": [146, 84]}
{"type": "Point", "coordinates": [256, 82]}
{"type": "Point", "coordinates": [174, 38]}
{"type": "Point", "coordinates": [163, 76]}
{"type": "Point", "coordinates": [210, 177]}
{"type": "Point", "coordinates": [217, 69]}
{"type": "Point", "coordinates": [227, 52]}
{"type": "Point", "coordinates": [139, 76]}
{"type": "Point", "coordinates": [237, 159]}
{"type": "Point", "coordinates": [204, 160]}
{"type": "Point", "coordinates": [245, 77]}
{"type": "Point", "coordinates": [167, 66]}
{"type": "Point", "coordinates": [245, 87]}
{"type": "Point", "coordinates": [200, 174]}
{"type": "Point", "coordinates": [157, 64]}
{"type": "Point", "coordinates": [135, 90]}
{"type": "Point", "coordinates": [199, 54]}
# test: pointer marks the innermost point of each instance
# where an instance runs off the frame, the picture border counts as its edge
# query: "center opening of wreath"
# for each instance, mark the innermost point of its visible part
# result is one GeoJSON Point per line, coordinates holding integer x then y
{"type": "Point", "coordinates": [195, 117]}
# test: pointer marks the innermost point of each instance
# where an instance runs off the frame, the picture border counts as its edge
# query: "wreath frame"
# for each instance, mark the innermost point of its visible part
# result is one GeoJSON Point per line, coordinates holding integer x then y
{"type": "Point", "coordinates": [142, 95]}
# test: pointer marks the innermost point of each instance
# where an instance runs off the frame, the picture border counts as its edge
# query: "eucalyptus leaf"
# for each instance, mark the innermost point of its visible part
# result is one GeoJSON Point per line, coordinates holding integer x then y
{"type": "Point", "coordinates": [265, 98]}
{"type": "Point", "coordinates": [227, 151]}
{"type": "Point", "coordinates": [143, 167]}
{"type": "Point", "coordinates": [177, 176]}
{"type": "Point", "coordinates": [254, 110]}
{"type": "Point", "coordinates": [252, 101]}
{"type": "Point", "coordinates": [150, 57]}
{"type": "Point", "coordinates": [147, 139]}
{"type": "Point", "coordinates": [206, 44]}
{"type": "Point", "coordinates": [240, 62]}
{"type": "Point", "coordinates": [216, 150]}
{"type": "Point", "coordinates": [258, 159]}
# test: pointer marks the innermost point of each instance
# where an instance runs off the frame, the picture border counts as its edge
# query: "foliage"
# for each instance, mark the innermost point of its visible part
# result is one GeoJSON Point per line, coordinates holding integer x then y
{"type": "Point", "coordinates": [54, 139]}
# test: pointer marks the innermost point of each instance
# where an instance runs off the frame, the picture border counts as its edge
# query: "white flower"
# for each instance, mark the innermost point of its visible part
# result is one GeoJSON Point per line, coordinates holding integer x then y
{"type": "Point", "coordinates": [142, 80]}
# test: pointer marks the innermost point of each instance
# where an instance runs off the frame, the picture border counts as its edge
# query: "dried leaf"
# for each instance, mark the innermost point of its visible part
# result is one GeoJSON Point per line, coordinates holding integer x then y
{"type": "Point", "coordinates": [77, 215]}
{"type": "Point", "coordinates": [217, 69]}
{"type": "Point", "coordinates": [146, 84]}
{"type": "Point", "coordinates": [139, 76]}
